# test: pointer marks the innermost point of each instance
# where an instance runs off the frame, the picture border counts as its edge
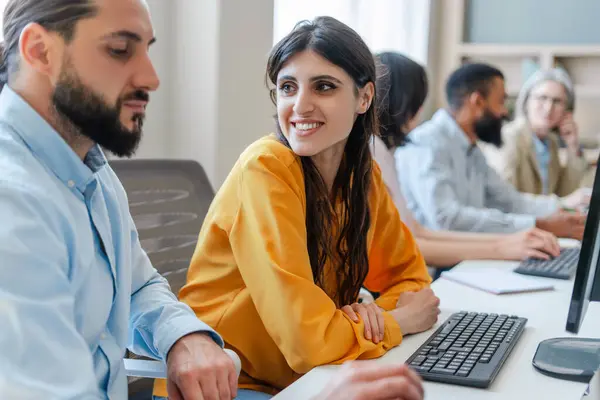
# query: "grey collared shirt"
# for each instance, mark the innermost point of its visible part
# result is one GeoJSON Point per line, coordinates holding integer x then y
{"type": "Point", "coordinates": [448, 185]}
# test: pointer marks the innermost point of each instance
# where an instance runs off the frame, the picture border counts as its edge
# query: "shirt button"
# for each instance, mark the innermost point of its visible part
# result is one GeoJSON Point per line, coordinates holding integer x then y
{"type": "Point", "coordinates": [102, 336]}
{"type": "Point", "coordinates": [71, 184]}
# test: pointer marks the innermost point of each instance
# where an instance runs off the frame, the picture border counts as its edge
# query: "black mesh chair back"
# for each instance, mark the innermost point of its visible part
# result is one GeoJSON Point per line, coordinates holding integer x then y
{"type": "Point", "coordinates": [168, 200]}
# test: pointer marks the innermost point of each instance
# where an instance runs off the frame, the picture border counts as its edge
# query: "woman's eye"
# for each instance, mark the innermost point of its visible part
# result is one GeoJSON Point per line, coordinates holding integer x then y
{"type": "Point", "coordinates": [325, 86]}
{"type": "Point", "coordinates": [286, 88]}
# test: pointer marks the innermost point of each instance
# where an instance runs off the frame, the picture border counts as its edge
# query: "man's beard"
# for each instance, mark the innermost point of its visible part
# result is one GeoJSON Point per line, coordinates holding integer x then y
{"type": "Point", "coordinates": [94, 118]}
{"type": "Point", "coordinates": [489, 129]}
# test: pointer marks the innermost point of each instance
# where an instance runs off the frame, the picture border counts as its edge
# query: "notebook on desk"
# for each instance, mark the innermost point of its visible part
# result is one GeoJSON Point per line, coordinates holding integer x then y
{"type": "Point", "coordinates": [496, 281]}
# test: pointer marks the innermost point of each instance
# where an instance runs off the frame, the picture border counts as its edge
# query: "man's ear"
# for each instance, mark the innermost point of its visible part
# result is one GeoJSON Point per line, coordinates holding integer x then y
{"type": "Point", "coordinates": [37, 50]}
{"type": "Point", "coordinates": [476, 103]}
{"type": "Point", "coordinates": [365, 97]}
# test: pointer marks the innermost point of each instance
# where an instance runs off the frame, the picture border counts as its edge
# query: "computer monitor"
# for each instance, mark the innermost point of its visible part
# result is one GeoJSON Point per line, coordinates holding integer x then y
{"type": "Point", "coordinates": [574, 358]}
{"type": "Point", "coordinates": [586, 286]}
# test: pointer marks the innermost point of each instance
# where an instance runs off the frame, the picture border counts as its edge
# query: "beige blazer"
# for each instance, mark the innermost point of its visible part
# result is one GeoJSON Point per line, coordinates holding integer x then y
{"type": "Point", "coordinates": [517, 163]}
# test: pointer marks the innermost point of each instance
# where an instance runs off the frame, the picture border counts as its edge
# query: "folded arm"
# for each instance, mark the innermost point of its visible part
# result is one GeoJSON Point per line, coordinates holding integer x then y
{"type": "Point", "coordinates": [436, 192]}
{"type": "Point", "coordinates": [502, 195]}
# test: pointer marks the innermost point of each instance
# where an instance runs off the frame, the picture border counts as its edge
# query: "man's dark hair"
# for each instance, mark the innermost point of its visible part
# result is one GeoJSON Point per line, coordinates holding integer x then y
{"type": "Point", "coordinates": [470, 78]}
{"type": "Point", "coordinates": [60, 16]}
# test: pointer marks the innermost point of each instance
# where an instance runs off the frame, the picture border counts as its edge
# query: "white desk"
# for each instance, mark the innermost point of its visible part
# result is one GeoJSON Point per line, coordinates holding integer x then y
{"type": "Point", "coordinates": [546, 313]}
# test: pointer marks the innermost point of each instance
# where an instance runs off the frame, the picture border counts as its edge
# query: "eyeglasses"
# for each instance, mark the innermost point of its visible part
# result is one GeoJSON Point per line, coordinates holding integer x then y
{"type": "Point", "coordinates": [557, 102]}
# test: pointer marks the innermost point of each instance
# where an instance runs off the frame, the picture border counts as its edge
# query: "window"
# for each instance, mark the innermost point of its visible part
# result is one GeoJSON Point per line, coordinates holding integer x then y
{"type": "Point", "coordinates": [397, 25]}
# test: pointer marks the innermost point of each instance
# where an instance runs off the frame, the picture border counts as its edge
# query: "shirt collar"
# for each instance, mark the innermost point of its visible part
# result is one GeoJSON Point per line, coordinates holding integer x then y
{"type": "Point", "coordinates": [454, 130]}
{"type": "Point", "coordinates": [47, 144]}
{"type": "Point", "coordinates": [541, 146]}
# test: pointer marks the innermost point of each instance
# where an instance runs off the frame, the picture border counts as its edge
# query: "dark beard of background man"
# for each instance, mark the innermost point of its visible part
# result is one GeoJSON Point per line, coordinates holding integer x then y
{"type": "Point", "coordinates": [93, 118]}
{"type": "Point", "coordinates": [489, 128]}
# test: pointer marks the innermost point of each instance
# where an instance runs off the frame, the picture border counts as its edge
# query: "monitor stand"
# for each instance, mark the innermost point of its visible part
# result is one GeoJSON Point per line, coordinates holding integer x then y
{"type": "Point", "coordinates": [573, 359]}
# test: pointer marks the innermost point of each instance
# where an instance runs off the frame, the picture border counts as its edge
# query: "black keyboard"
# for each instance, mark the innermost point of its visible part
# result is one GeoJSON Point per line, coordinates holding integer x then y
{"type": "Point", "coordinates": [561, 267]}
{"type": "Point", "coordinates": [468, 349]}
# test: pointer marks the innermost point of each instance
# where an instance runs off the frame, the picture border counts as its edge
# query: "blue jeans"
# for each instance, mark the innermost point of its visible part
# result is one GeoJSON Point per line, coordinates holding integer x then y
{"type": "Point", "coordinates": [243, 394]}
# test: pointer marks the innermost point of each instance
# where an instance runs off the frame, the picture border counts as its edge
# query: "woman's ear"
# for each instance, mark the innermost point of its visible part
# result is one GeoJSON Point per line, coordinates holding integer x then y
{"type": "Point", "coordinates": [365, 97]}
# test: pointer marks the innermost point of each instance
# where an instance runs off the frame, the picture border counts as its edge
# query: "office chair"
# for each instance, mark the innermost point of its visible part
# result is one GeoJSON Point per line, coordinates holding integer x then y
{"type": "Point", "coordinates": [168, 200]}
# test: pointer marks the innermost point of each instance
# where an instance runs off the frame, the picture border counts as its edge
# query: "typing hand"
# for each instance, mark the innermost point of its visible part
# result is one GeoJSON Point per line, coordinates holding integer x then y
{"type": "Point", "coordinates": [531, 243]}
{"type": "Point", "coordinates": [372, 317]}
{"type": "Point", "coordinates": [371, 381]}
{"type": "Point", "coordinates": [563, 224]}
{"type": "Point", "coordinates": [416, 311]}
{"type": "Point", "coordinates": [197, 368]}
{"type": "Point", "coordinates": [580, 198]}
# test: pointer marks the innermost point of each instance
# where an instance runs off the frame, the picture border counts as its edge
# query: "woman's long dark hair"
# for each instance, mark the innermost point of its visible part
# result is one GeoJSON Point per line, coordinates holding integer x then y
{"type": "Point", "coordinates": [401, 91]}
{"type": "Point", "coordinates": [343, 47]}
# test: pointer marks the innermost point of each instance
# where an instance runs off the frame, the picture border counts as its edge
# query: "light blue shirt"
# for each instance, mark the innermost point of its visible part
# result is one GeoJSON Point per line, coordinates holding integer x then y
{"type": "Point", "coordinates": [448, 184]}
{"type": "Point", "coordinates": [76, 288]}
{"type": "Point", "coordinates": [542, 155]}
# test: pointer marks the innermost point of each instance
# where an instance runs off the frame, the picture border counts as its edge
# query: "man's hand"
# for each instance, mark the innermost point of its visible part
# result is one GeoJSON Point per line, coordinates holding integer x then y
{"type": "Point", "coordinates": [563, 224]}
{"type": "Point", "coordinates": [372, 381]}
{"type": "Point", "coordinates": [578, 199]}
{"type": "Point", "coordinates": [198, 369]}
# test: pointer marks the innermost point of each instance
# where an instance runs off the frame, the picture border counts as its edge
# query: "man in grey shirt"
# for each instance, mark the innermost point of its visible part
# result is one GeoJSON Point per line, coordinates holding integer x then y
{"type": "Point", "coordinates": [445, 178]}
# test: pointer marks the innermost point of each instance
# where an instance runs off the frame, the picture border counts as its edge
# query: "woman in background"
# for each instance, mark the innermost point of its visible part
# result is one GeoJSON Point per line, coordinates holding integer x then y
{"type": "Point", "coordinates": [529, 156]}
{"type": "Point", "coordinates": [401, 91]}
{"type": "Point", "coordinates": [304, 220]}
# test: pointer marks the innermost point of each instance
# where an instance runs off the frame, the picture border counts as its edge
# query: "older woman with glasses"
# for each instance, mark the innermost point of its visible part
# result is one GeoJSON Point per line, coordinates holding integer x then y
{"type": "Point", "coordinates": [544, 122]}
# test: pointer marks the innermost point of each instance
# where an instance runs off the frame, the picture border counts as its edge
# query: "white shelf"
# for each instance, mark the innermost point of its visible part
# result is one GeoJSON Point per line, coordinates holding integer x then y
{"type": "Point", "coordinates": [466, 49]}
{"type": "Point", "coordinates": [470, 49]}
{"type": "Point", "coordinates": [587, 91]}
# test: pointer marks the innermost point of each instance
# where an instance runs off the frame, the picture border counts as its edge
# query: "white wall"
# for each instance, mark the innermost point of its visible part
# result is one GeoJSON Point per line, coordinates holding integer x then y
{"type": "Point", "coordinates": [195, 80]}
{"type": "Point", "coordinates": [245, 109]}
{"type": "Point", "coordinates": [212, 103]}
{"type": "Point", "coordinates": [157, 120]}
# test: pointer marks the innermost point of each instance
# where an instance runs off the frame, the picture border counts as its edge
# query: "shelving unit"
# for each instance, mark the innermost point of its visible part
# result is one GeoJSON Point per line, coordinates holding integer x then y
{"type": "Point", "coordinates": [511, 53]}
{"type": "Point", "coordinates": [515, 60]}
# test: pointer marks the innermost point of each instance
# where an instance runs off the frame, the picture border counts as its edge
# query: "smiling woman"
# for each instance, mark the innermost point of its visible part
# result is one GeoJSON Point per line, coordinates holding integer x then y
{"type": "Point", "coordinates": [304, 220]}
{"type": "Point", "coordinates": [314, 90]}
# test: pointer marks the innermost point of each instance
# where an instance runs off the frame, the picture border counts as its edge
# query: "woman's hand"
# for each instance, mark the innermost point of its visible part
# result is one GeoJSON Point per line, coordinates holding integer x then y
{"type": "Point", "coordinates": [569, 132]}
{"type": "Point", "coordinates": [416, 311]}
{"type": "Point", "coordinates": [372, 317]}
{"type": "Point", "coordinates": [531, 243]}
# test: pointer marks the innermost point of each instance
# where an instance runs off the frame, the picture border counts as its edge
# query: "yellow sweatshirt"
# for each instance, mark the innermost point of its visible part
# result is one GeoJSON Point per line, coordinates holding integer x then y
{"type": "Point", "coordinates": [250, 276]}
